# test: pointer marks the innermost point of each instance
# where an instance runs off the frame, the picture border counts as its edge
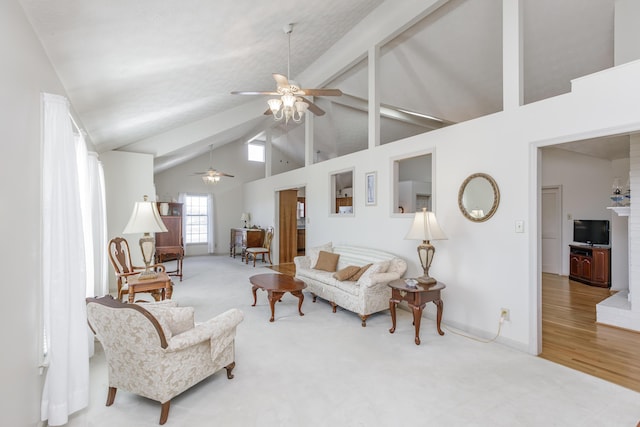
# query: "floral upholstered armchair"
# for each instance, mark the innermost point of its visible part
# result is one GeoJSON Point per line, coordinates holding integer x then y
{"type": "Point", "coordinates": [156, 350]}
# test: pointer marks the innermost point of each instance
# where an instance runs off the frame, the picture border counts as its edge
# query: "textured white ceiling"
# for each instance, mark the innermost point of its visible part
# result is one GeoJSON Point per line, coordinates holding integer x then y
{"type": "Point", "coordinates": [155, 76]}
{"type": "Point", "coordinates": [133, 69]}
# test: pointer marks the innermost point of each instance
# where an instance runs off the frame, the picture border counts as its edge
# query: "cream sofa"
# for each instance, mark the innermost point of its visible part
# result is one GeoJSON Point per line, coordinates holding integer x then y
{"type": "Point", "coordinates": [369, 294]}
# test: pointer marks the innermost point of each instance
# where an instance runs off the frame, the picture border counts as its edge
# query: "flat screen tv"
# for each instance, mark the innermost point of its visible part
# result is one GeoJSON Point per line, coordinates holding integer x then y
{"type": "Point", "coordinates": [591, 231]}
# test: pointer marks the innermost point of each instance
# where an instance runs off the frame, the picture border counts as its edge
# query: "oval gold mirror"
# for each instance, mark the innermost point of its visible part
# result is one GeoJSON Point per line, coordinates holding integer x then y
{"type": "Point", "coordinates": [478, 197]}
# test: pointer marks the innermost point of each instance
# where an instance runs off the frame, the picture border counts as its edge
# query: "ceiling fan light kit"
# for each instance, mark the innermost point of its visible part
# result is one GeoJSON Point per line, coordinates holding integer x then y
{"type": "Point", "coordinates": [212, 176]}
{"type": "Point", "coordinates": [290, 104]}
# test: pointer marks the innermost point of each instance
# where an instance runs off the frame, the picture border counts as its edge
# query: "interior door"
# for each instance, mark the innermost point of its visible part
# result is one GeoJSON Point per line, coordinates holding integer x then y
{"type": "Point", "coordinates": [288, 226]}
{"type": "Point", "coordinates": [552, 230]}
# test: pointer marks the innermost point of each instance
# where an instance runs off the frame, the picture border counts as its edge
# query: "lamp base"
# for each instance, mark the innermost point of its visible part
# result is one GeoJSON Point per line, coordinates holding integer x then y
{"type": "Point", "coordinates": [147, 275]}
{"type": "Point", "coordinates": [426, 280]}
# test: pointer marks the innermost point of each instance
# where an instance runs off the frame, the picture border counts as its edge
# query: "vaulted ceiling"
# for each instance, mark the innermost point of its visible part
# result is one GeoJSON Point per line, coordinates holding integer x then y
{"type": "Point", "coordinates": [156, 76]}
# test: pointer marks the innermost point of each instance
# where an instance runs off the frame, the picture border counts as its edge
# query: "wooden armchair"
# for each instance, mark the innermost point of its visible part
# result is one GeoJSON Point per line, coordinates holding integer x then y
{"type": "Point", "coordinates": [263, 250]}
{"type": "Point", "coordinates": [120, 258]}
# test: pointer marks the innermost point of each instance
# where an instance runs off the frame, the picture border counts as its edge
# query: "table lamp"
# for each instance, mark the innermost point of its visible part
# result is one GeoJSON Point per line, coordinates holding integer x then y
{"type": "Point", "coordinates": [245, 217]}
{"type": "Point", "coordinates": [425, 227]}
{"type": "Point", "coordinates": [146, 219]}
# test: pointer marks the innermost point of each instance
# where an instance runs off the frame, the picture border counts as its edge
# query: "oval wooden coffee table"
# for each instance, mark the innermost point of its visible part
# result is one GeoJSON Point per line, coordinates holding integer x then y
{"type": "Point", "coordinates": [277, 285]}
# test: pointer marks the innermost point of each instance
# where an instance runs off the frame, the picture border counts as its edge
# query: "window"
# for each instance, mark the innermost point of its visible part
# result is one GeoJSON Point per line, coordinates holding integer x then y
{"type": "Point", "coordinates": [196, 218]}
{"type": "Point", "coordinates": [255, 152]}
{"type": "Point", "coordinates": [413, 184]}
{"type": "Point", "coordinates": [342, 192]}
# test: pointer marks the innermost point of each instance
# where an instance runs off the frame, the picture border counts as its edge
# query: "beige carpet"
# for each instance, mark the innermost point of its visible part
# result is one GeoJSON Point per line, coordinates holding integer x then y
{"type": "Point", "coordinates": [324, 369]}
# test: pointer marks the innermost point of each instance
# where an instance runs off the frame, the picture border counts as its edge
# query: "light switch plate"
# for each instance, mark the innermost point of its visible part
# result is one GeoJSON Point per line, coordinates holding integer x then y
{"type": "Point", "coordinates": [519, 226]}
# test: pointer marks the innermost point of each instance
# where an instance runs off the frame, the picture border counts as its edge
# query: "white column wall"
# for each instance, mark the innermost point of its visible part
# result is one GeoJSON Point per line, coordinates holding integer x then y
{"type": "Point", "coordinates": [24, 74]}
{"type": "Point", "coordinates": [634, 228]}
{"type": "Point", "coordinates": [487, 265]}
{"type": "Point", "coordinates": [128, 178]}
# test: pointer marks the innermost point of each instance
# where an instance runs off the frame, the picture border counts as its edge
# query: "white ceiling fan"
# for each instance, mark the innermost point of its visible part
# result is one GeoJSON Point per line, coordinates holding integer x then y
{"type": "Point", "coordinates": [211, 176]}
{"type": "Point", "coordinates": [291, 102]}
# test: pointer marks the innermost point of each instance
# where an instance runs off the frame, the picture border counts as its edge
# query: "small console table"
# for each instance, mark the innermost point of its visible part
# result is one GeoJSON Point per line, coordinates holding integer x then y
{"type": "Point", "coordinates": [590, 265]}
{"type": "Point", "coordinates": [416, 298]}
{"type": "Point", "coordinates": [245, 238]}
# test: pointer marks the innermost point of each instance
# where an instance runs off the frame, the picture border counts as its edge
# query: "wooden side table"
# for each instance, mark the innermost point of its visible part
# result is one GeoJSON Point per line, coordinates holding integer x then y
{"type": "Point", "coordinates": [161, 283]}
{"type": "Point", "coordinates": [416, 298]}
{"type": "Point", "coordinates": [171, 253]}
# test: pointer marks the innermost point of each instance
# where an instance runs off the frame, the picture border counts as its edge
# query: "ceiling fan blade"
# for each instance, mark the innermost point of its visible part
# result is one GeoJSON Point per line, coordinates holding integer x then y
{"type": "Point", "coordinates": [268, 112]}
{"type": "Point", "coordinates": [225, 174]}
{"type": "Point", "coordinates": [321, 92]}
{"type": "Point", "coordinates": [314, 108]}
{"type": "Point", "coordinates": [237, 92]}
{"type": "Point", "coordinates": [280, 80]}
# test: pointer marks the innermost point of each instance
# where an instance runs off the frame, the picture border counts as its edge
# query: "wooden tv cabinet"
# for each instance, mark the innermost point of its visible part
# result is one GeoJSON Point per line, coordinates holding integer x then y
{"type": "Point", "coordinates": [590, 265]}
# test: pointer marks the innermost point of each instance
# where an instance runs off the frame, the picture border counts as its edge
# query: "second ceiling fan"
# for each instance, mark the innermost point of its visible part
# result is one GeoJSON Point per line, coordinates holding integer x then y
{"type": "Point", "coordinates": [291, 103]}
{"type": "Point", "coordinates": [212, 176]}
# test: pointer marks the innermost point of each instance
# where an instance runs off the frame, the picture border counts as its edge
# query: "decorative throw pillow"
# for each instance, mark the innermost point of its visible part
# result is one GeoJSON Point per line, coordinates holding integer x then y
{"type": "Point", "coordinates": [378, 267]}
{"type": "Point", "coordinates": [346, 273]}
{"type": "Point", "coordinates": [360, 272]}
{"type": "Point", "coordinates": [314, 252]}
{"type": "Point", "coordinates": [327, 261]}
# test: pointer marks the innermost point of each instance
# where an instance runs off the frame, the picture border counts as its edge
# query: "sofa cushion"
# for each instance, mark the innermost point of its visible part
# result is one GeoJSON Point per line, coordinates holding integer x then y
{"type": "Point", "coordinates": [377, 267]}
{"type": "Point", "coordinates": [327, 261]}
{"type": "Point", "coordinates": [360, 272]}
{"type": "Point", "coordinates": [313, 253]}
{"type": "Point", "coordinates": [346, 273]}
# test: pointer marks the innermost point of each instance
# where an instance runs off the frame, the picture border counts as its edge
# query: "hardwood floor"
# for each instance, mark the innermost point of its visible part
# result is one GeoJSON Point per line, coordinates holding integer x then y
{"type": "Point", "coordinates": [571, 336]}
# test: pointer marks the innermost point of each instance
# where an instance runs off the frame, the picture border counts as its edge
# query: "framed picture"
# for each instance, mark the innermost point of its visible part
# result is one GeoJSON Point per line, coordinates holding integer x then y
{"type": "Point", "coordinates": [370, 188]}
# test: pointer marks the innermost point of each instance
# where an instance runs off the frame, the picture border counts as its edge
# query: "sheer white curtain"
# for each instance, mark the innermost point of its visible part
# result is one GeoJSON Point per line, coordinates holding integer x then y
{"type": "Point", "coordinates": [182, 198]}
{"type": "Point", "coordinates": [211, 235]}
{"type": "Point", "coordinates": [98, 216]}
{"type": "Point", "coordinates": [66, 388]}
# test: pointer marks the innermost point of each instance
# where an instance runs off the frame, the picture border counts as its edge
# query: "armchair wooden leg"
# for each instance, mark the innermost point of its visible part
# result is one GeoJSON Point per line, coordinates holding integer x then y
{"type": "Point", "coordinates": [229, 368]}
{"type": "Point", "coordinates": [164, 412]}
{"type": "Point", "coordinates": [364, 317]}
{"type": "Point", "coordinates": [111, 396]}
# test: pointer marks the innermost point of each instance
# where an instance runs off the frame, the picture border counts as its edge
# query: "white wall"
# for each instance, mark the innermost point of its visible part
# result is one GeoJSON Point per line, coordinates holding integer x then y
{"type": "Point", "coordinates": [24, 74]}
{"type": "Point", "coordinates": [227, 194]}
{"type": "Point", "coordinates": [128, 178]}
{"type": "Point", "coordinates": [620, 234]}
{"type": "Point", "coordinates": [627, 32]}
{"type": "Point", "coordinates": [486, 265]}
{"type": "Point", "coordinates": [634, 229]}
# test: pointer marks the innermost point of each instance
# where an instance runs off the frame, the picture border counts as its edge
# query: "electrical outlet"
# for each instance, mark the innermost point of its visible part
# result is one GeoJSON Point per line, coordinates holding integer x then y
{"type": "Point", "coordinates": [505, 314]}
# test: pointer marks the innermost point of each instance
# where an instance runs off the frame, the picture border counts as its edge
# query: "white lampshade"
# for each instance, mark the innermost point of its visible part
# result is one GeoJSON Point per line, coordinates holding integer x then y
{"type": "Point", "coordinates": [274, 104]}
{"type": "Point", "coordinates": [288, 100]}
{"type": "Point", "coordinates": [301, 107]}
{"type": "Point", "coordinates": [425, 227]}
{"type": "Point", "coordinates": [245, 216]}
{"type": "Point", "coordinates": [145, 218]}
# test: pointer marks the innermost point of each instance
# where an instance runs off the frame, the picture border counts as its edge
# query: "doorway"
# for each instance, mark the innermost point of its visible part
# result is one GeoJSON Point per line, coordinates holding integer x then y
{"type": "Point", "coordinates": [292, 208]}
{"type": "Point", "coordinates": [551, 229]}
